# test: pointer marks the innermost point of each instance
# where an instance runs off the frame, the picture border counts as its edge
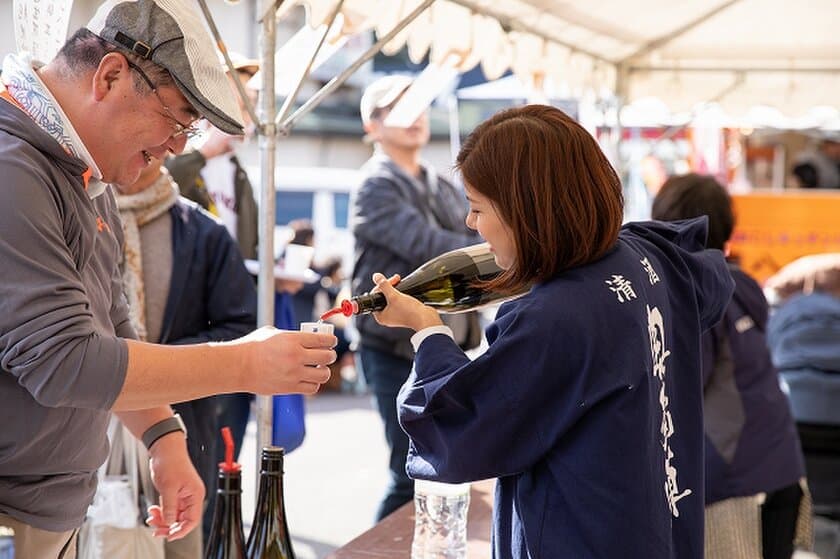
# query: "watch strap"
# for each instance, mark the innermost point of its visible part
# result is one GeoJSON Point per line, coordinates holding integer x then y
{"type": "Point", "coordinates": [161, 428]}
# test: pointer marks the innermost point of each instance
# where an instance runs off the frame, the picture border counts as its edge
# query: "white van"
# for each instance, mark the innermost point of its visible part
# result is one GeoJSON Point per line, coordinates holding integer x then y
{"type": "Point", "coordinates": [321, 195]}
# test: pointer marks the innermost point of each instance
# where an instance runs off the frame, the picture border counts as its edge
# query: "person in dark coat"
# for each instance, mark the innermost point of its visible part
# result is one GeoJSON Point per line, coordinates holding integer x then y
{"type": "Point", "coordinates": [752, 446]}
{"type": "Point", "coordinates": [403, 214]}
{"type": "Point", "coordinates": [186, 284]}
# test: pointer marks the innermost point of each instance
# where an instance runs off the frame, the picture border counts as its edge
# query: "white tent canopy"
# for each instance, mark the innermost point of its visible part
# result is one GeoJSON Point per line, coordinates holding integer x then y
{"type": "Point", "coordinates": [739, 53]}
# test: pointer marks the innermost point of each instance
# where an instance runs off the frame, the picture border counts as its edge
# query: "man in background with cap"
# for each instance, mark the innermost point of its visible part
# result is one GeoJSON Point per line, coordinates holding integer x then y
{"type": "Point", "coordinates": [126, 89]}
{"type": "Point", "coordinates": [403, 215]}
{"type": "Point", "coordinates": [212, 175]}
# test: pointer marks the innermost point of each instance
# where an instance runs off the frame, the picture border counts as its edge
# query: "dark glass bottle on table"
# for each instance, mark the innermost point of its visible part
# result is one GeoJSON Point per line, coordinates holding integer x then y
{"type": "Point", "coordinates": [269, 537]}
{"type": "Point", "coordinates": [447, 283]}
{"type": "Point", "coordinates": [227, 539]}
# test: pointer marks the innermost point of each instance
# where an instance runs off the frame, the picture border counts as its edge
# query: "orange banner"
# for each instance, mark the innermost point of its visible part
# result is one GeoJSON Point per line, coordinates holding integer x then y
{"type": "Point", "coordinates": [772, 229]}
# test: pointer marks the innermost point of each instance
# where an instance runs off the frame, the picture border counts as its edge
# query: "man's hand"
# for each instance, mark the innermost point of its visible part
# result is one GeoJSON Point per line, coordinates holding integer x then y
{"type": "Point", "coordinates": [181, 489]}
{"type": "Point", "coordinates": [218, 143]}
{"type": "Point", "coordinates": [266, 361]}
{"type": "Point", "coordinates": [288, 362]}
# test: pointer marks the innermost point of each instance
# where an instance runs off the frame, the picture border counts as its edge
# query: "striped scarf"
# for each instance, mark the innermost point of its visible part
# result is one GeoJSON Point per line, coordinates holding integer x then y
{"type": "Point", "coordinates": [136, 210]}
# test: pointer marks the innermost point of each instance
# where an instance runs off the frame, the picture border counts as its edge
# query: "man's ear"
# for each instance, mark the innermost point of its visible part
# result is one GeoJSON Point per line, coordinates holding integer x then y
{"type": "Point", "coordinates": [371, 130]}
{"type": "Point", "coordinates": [113, 71]}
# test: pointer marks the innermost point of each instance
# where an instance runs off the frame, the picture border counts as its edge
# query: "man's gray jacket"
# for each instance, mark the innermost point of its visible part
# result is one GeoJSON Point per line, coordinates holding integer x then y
{"type": "Point", "coordinates": [62, 313]}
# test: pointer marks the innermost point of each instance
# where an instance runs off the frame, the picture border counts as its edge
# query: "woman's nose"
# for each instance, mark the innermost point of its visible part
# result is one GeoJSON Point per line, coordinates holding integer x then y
{"type": "Point", "coordinates": [469, 220]}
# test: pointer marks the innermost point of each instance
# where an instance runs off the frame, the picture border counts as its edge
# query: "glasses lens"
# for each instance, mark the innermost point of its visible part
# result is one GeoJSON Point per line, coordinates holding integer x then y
{"type": "Point", "coordinates": [190, 132]}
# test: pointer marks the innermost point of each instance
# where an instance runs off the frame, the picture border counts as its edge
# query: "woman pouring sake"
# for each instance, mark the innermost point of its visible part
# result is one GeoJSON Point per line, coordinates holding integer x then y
{"type": "Point", "coordinates": [587, 403]}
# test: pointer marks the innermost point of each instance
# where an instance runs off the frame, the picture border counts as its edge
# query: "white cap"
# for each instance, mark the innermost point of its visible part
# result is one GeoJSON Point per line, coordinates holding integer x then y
{"type": "Point", "coordinates": [170, 34]}
{"type": "Point", "coordinates": [381, 93]}
{"type": "Point", "coordinates": [240, 62]}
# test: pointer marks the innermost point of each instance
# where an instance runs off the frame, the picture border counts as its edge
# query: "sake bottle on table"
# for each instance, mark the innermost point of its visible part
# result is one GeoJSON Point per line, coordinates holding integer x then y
{"type": "Point", "coordinates": [269, 537]}
{"type": "Point", "coordinates": [227, 539]}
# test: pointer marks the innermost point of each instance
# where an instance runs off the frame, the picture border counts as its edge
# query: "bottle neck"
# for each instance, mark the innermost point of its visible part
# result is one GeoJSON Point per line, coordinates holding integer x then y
{"type": "Point", "coordinates": [227, 539]}
{"type": "Point", "coordinates": [368, 303]}
{"type": "Point", "coordinates": [229, 483]}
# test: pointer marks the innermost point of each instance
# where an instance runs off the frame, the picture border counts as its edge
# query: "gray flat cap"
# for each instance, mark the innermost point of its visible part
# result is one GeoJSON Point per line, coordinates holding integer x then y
{"type": "Point", "coordinates": [171, 34]}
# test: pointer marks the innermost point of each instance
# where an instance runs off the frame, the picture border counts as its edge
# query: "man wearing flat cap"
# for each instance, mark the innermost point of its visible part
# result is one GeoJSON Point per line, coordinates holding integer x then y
{"type": "Point", "coordinates": [126, 89]}
{"type": "Point", "coordinates": [404, 214]}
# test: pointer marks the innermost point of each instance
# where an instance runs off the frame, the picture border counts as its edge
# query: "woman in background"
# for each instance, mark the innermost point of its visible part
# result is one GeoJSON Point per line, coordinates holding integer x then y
{"type": "Point", "coordinates": [751, 443]}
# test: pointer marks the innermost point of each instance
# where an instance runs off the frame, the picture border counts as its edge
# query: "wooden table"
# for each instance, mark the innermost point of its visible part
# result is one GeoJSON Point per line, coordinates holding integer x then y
{"type": "Point", "coordinates": [391, 537]}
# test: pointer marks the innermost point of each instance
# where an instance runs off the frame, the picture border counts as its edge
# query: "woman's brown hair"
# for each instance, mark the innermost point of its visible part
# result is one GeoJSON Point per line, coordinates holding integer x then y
{"type": "Point", "coordinates": [551, 184]}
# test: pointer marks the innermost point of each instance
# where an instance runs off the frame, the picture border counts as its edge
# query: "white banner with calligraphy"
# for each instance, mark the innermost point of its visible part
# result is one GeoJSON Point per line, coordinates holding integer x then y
{"type": "Point", "coordinates": [41, 26]}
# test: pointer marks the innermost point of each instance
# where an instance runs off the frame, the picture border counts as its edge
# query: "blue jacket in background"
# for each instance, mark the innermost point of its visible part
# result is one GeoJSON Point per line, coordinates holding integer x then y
{"type": "Point", "coordinates": [211, 298]}
{"type": "Point", "coordinates": [804, 338]}
{"type": "Point", "coordinates": [751, 441]}
{"type": "Point", "coordinates": [397, 228]}
{"type": "Point", "coordinates": [587, 405]}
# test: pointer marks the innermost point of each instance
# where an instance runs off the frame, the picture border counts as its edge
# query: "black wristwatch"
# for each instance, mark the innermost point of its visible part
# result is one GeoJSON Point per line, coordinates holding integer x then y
{"type": "Point", "coordinates": [163, 427]}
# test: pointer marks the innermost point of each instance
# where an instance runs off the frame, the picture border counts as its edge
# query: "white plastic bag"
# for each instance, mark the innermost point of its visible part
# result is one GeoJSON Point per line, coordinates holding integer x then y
{"type": "Point", "coordinates": [112, 528]}
{"type": "Point", "coordinates": [115, 504]}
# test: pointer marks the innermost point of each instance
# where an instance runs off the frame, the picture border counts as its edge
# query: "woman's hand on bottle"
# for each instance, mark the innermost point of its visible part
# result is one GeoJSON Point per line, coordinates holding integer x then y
{"type": "Point", "coordinates": [402, 310]}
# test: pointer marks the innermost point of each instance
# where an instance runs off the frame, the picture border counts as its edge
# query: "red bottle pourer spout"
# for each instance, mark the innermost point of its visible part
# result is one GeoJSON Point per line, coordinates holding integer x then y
{"type": "Point", "coordinates": [347, 308]}
{"type": "Point", "coordinates": [229, 465]}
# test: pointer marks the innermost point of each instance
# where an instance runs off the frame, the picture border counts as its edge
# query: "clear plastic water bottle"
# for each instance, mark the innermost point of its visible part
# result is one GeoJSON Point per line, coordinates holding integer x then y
{"type": "Point", "coordinates": [440, 525]}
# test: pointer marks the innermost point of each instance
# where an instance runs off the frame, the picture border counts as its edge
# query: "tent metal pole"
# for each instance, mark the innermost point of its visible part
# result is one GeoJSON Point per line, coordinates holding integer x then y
{"type": "Point", "coordinates": [454, 126]}
{"type": "Point", "coordinates": [292, 97]}
{"type": "Point", "coordinates": [622, 93]}
{"type": "Point", "coordinates": [270, 9]}
{"type": "Point", "coordinates": [750, 70]}
{"type": "Point", "coordinates": [334, 83]}
{"type": "Point", "coordinates": [223, 48]}
{"type": "Point", "coordinates": [267, 146]}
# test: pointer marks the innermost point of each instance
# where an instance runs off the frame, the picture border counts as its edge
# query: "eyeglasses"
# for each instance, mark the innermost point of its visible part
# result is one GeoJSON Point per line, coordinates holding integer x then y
{"type": "Point", "coordinates": [188, 130]}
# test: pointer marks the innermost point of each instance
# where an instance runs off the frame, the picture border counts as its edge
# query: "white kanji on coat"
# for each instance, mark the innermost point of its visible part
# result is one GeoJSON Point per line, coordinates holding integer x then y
{"type": "Point", "coordinates": [656, 330]}
{"type": "Point", "coordinates": [652, 275]}
{"type": "Point", "coordinates": [622, 287]}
